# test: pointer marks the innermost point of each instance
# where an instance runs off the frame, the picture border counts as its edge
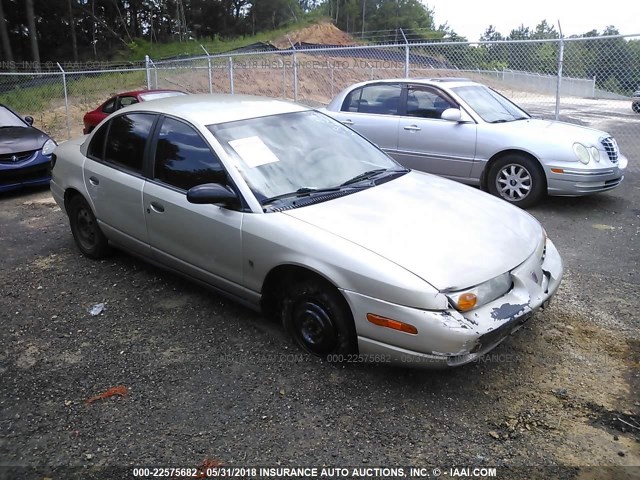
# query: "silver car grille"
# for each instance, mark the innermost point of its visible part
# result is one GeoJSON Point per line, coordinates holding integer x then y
{"type": "Point", "coordinates": [611, 147]}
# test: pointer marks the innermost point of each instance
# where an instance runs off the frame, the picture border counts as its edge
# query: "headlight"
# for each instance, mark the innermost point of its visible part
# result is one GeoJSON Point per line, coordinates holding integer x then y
{"type": "Point", "coordinates": [581, 152]}
{"type": "Point", "coordinates": [595, 154]}
{"type": "Point", "coordinates": [48, 147]}
{"type": "Point", "coordinates": [482, 294]}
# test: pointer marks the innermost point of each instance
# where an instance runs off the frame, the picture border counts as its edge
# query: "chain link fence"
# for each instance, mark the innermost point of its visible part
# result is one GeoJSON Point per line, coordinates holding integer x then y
{"type": "Point", "coordinates": [588, 81]}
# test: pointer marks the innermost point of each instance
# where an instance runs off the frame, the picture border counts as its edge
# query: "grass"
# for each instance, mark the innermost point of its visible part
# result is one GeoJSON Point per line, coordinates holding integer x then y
{"type": "Point", "coordinates": [157, 51]}
{"type": "Point", "coordinates": [27, 100]}
{"type": "Point", "coordinates": [42, 92]}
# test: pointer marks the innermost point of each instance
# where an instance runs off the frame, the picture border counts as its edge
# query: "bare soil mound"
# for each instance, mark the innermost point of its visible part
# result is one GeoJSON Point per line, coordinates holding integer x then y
{"type": "Point", "coordinates": [321, 33]}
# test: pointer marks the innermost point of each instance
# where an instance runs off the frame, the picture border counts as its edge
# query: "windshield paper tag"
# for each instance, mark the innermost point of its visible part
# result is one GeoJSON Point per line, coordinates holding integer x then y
{"type": "Point", "coordinates": [253, 151]}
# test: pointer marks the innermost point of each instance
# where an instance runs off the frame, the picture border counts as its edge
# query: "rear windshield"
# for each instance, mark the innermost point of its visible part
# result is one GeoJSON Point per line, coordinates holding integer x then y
{"type": "Point", "coordinates": [155, 95]}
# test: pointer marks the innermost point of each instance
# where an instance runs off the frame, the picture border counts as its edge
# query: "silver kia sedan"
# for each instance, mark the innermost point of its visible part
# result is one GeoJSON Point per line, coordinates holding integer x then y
{"type": "Point", "coordinates": [291, 213]}
{"type": "Point", "coordinates": [468, 132]}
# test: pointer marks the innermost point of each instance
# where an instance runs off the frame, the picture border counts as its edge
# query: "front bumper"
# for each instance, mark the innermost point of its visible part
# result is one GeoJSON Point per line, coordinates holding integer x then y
{"type": "Point", "coordinates": [450, 338]}
{"type": "Point", "coordinates": [572, 179]}
{"type": "Point", "coordinates": [32, 171]}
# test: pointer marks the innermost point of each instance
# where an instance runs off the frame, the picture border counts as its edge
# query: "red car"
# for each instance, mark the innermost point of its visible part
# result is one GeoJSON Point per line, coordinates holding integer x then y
{"type": "Point", "coordinates": [94, 117]}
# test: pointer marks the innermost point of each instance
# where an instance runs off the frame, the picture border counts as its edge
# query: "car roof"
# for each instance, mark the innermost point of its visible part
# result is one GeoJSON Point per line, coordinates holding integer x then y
{"type": "Point", "coordinates": [449, 81]}
{"type": "Point", "coordinates": [208, 108]}
{"type": "Point", "coordinates": [138, 92]}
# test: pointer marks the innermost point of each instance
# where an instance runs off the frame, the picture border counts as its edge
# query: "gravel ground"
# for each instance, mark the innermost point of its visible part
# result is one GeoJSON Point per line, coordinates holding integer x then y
{"type": "Point", "coordinates": [210, 381]}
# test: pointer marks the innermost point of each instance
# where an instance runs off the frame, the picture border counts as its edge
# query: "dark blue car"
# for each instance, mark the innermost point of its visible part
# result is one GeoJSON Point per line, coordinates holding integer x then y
{"type": "Point", "coordinates": [25, 152]}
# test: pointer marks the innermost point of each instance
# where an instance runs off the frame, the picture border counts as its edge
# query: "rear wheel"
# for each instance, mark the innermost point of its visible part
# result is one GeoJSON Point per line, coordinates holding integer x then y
{"type": "Point", "coordinates": [86, 232]}
{"type": "Point", "coordinates": [517, 179]}
{"type": "Point", "coordinates": [318, 319]}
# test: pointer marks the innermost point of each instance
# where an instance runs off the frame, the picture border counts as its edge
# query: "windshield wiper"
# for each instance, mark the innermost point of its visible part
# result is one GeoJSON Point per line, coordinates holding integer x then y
{"type": "Point", "coordinates": [301, 192]}
{"type": "Point", "coordinates": [364, 176]}
{"type": "Point", "coordinates": [505, 120]}
{"type": "Point", "coordinates": [372, 174]}
{"type": "Point", "coordinates": [346, 186]}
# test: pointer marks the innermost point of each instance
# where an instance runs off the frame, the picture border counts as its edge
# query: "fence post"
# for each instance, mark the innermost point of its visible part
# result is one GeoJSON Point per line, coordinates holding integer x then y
{"type": "Point", "coordinates": [406, 54]}
{"type": "Point", "coordinates": [295, 71]}
{"type": "Point", "coordinates": [155, 74]}
{"type": "Point", "coordinates": [332, 80]}
{"type": "Point", "coordinates": [295, 77]}
{"type": "Point", "coordinates": [231, 75]}
{"type": "Point", "coordinates": [146, 66]}
{"type": "Point", "coordinates": [559, 82]}
{"type": "Point", "coordinates": [209, 69]}
{"type": "Point", "coordinates": [284, 78]}
{"type": "Point", "coordinates": [66, 98]}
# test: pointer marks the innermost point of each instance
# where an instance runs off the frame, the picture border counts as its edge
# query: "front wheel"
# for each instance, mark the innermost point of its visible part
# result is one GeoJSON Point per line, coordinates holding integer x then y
{"type": "Point", "coordinates": [318, 318]}
{"type": "Point", "coordinates": [85, 229]}
{"type": "Point", "coordinates": [517, 179]}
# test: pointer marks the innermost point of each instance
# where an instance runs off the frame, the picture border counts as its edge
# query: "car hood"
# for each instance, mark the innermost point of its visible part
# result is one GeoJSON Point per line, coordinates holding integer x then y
{"type": "Point", "coordinates": [553, 131]}
{"type": "Point", "coordinates": [450, 235]}
{"type": "Point", "coordinates": [21, 139]}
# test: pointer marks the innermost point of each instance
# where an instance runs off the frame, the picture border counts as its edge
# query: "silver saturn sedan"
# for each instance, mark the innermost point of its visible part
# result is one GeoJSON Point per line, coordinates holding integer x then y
{"type": "Point", "coordinates": [468, 132]}
{"type": "Point", "coordinates": [291, 213]}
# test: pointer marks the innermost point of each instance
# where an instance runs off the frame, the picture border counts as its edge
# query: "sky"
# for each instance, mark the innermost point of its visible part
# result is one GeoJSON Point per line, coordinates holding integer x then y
{"type": "Point", "coordinates": [470, 18]}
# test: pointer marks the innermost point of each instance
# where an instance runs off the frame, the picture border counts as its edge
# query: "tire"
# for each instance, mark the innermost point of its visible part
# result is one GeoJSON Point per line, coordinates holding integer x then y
{"type": "Point", "coordinates": [517, 179]}
{"type": "Point", "coordinates": [318, 318]}
{"type": "Point", "coordinates": [86, 232]}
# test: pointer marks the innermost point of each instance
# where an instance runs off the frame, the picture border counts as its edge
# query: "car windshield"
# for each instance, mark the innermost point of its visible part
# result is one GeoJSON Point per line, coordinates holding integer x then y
{"type": "Point", "coordinates": [490, 105]}
{"type": "Point", "coordinates": [155, 95]}
{"type": "Point", "coordinates": [299, 152]}
{"type": "Point", "coordinates": [9, 119]}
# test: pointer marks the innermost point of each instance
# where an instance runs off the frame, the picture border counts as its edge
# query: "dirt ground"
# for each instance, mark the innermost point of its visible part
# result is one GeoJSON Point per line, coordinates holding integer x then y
{"type": "Point", "coordinates": [208, 379]}
{"type": "Point", "coordinates": [319, 34]}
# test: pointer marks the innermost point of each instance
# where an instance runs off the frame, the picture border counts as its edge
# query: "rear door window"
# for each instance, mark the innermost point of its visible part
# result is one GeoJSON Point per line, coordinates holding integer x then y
{"type": "Point", "coordinates": [382, 99]}
{"type": "Point", "coordinates": [96, 147]}
{"type": "Point", "coordinates": [127, 139]}
{"type": "Point", "coordinates": [109, 106]}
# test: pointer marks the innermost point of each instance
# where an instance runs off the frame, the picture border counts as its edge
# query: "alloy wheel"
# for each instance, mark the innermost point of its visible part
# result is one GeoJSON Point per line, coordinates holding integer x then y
{"type": "Point", "coordinates": [514, 182]}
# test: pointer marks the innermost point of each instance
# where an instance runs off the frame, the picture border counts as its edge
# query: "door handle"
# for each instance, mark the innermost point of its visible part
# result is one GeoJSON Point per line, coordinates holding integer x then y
{"type": "Point", "coordinates": [412, 128]}
{"type": "Point", "coordinates": [157, 207]}
{"type": "Point", "coordinates": [348, 122]}
{"type": "Point", "coordinates": [93, 180]}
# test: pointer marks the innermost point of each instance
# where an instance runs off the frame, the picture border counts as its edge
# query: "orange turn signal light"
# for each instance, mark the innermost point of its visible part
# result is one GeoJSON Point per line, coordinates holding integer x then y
{"type": "Point", "coordinates": [467, 301]}
{"type": "Point", "coordinates": [390, 323]}
{"type": "Point", "coordinates": [557, 170]}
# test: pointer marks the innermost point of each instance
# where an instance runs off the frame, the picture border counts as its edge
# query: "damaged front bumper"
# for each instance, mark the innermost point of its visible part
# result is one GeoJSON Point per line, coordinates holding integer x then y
{"type": "Point", "coordinates": [450, 338]}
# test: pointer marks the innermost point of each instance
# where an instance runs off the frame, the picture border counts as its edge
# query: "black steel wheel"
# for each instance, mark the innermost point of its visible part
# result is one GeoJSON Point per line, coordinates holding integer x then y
{"type": "Point", "coordinates": [318, 318]}
{"type": "Point", "coordinates": [85, 229]}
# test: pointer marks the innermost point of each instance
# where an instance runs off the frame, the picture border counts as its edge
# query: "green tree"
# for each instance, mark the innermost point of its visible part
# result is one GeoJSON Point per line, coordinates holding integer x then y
{"type": "Point", "coordinates": [494, 55]}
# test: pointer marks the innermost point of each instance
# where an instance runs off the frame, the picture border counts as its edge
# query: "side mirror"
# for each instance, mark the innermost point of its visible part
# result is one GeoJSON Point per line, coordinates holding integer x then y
{"type": "Point", "coordinates": [29, 119]}
{"type": "Point", "coordinates": [451, 115]}
{"type": "Point", "coordinates": [212, 193]}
